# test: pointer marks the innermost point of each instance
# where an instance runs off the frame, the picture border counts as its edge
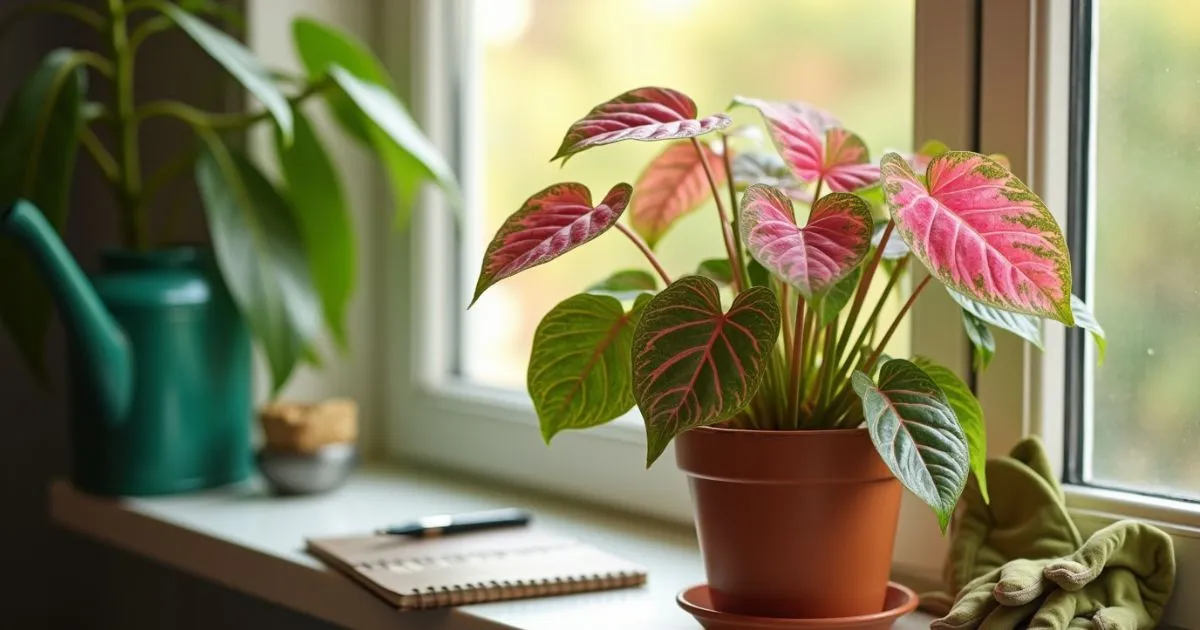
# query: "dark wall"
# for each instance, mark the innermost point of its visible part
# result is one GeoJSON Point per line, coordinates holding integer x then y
{"type": "Point", "coordinates": [55, 579]}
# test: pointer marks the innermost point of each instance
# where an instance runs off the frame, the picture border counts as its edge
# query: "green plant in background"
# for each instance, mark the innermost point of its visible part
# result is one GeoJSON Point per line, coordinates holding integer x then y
{"type": "Point", "coordinates": [285, 248]}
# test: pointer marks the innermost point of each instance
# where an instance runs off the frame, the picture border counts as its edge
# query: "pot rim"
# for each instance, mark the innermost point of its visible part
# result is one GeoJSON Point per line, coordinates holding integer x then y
{"type": "Point", "coordinates": [781, 457]}
{"type": "Point", "coordinates": [717, 429]}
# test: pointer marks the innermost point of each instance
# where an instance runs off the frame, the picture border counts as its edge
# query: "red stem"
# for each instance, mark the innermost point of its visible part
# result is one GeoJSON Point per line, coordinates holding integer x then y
{"type": "Point", "coordinates": [787, 319]}
{"type": "Point", "coordinates": [735, 265]}
{"type": "Point", "coordinates": [861, 295]}
{"type": "Point", "coordinates": [637, 240]}
{"type": "Point", "coordinates": [737, 235]}
{"type": "Point", "coordinates": [796, 364]}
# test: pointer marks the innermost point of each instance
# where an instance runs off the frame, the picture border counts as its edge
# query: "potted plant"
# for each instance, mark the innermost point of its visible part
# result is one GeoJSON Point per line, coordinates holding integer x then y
{"type": "Point", "coordinates": [160, 345]}
{"type": "Point", "coordinates": [795, 429]}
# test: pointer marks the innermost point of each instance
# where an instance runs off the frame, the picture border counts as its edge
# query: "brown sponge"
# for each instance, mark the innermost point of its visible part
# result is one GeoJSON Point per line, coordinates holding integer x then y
{"type": "Point", "coordinates": [305, 427]}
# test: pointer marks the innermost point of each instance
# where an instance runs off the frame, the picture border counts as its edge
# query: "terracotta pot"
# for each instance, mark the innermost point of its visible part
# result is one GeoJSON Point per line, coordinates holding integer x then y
{"type": "Point", "coordinates": [796, 524]}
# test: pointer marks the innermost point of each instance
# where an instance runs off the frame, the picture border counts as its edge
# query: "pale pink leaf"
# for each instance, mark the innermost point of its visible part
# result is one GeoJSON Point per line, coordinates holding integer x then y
{"type": "Point", "coordinates": [673, 184]}
{"type": "Point", "coordinates": [548, 225]}
{"type": "Point", "coordinates": [645, 114]}
{"type": "Point", "coordinates": [982, 232]}
{"type": "Point", "coordinates": [813, 258]}
{"type": "Point", "coordinates": [814, 146]}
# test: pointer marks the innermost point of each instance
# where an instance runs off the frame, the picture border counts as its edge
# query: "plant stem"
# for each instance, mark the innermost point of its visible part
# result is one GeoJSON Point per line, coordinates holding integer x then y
{"type": "Point", "coordinates": [130, 189]}
{"type": "Point", "coordinates": [733, 204]}
{"type": "Point", "coordinates": [786, 314]}
{"type": "Point", "coordinates": [735, 264]}
{"type": "Point", "coordinates": [97, 62]}
{"type": "Point", "coordinates": [198, 118]}
{"type": "Point", "coordinates": [870, 323]}
{"type": "Point", "coordinates": [822, 385]}
{"type": "Point", "coordinates": [861, 294]}
{"type": "Point", "coordinates": [64, 7]}
{"type": "Point", "coordinates": [817, 192]}
{"type": "Point", "coordinates": [794, 370]}
{"type": "Point", "coordinates": [156, 24]}
{"type": "Point", "coordinates": [641, 245]}
{"type": "Point", "coordinates": [170, 170]}
{"type": "Point", "coordinates": [104, 160]}
{"type": "Point", "coordinates": [896, 323]}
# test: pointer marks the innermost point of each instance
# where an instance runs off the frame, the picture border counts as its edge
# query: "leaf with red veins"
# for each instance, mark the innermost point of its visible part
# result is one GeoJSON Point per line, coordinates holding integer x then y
{"type": "Point", "coordinates": [548, 225]}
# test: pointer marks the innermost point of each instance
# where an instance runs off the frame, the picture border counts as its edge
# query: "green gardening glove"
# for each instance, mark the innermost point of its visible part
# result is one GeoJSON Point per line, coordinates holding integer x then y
{"type": "Point", "coordinates": [1120, 579]}
{"type": "Point", "coordinates": [1026, 518]}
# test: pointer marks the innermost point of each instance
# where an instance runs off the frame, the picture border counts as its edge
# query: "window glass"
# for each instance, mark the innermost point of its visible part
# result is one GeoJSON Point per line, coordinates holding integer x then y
{"type": "Point", "coordinates": [1144, 429]}
{"type": "Point", "coordinates": [544, 63]}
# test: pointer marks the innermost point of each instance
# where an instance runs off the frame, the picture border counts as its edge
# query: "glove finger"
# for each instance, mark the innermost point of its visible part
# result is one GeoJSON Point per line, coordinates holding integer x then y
{"type": "Point", "coordinates": [1121, 618]}
{"type": "Point", "coordinates": [1142, 549]}
{"type": "Point", "coordinates": [1020, 582]}
{"type": "Point", "coordinates": [973, 605]}
{"type": "Point", "coordinates": [1056, 611]}
{"type": "Point", "coordinates": [1009, 617]}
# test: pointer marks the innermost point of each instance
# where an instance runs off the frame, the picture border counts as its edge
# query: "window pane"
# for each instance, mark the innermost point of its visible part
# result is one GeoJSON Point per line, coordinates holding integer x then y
{"type": "Point", "coordinates": [1145, 428]}
{"type": "Point", "coordinates": [545, 63]}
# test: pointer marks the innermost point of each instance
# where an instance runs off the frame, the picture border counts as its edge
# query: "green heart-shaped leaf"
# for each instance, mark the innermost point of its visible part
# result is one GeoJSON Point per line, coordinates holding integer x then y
{"type": "Point", "coordinates": [695, 365]}
{"type": "Point", "coordinates": [716, 269]}
{"type": "Point", "coordinates": [1024, 326]}
{"type": "Point", "coordinates": [40, 131]}
{"type": "Point", "coordinates": [1085, 319]}
{"type": "Point", "coordinates": [983, 343]}
{"type": "Point", "coordinates": [969, 413]}
{"type": "Point", "coordinates": [915, 431]}
{"type": "Point", "coordinates": [626, 285]}
{"type": "Point", "coordinates": [580, 372]}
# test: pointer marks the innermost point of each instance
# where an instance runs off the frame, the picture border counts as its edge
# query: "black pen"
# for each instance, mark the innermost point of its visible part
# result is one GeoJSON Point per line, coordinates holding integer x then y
{"type": "Point", "coordinates": [443, 524]}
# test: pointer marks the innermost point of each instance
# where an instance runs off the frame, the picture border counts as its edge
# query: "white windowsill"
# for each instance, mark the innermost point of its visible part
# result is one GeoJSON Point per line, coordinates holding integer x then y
{"type": "Point", "coordinates": [246, 540]}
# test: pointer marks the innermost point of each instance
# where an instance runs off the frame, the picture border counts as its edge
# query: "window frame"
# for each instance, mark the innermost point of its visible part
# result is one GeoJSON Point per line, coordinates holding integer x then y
{"type": "Point", "coordinates": [990, 75]}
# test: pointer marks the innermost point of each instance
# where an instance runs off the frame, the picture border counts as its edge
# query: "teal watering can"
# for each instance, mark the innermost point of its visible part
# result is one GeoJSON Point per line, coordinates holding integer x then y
{"type": "Point", "coordinates": [160, 365]}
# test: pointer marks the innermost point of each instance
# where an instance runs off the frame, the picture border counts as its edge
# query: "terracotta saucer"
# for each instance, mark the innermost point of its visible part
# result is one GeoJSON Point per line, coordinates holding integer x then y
{"type": "Point", "coordinates": [696, 600]}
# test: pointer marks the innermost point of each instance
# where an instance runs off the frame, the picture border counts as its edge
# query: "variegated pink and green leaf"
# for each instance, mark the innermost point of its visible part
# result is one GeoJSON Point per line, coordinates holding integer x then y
{"type": "Point", "coordinates": [982, 232]}
{"type": "Point", "coordinates": [549, 224]}
{"type": "Point", "coordinates": [695, 364]}
{"type": "Point", "coordinates": [580, 369]}
{"type": "Point", "coordinates": [814, 258]}
{"type": "Point", "coordinates": [645, 114]}
{"type": "Point", "coordinates": [672, 185]}
{"type": "Point", "coordinates": [915, 430]}
{"type": "Point", "coordinates": [814, 151]}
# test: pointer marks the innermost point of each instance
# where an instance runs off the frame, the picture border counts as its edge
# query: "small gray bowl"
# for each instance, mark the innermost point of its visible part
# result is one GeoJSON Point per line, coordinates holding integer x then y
{"type": "Point", "coordinates": [292, 474]}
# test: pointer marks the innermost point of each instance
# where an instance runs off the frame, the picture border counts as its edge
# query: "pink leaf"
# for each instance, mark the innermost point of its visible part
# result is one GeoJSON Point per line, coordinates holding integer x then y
{"type": "Point", "coordinates": [696, 365]}
{"type": "Point", "coordinates": [644, 114]}
{"type": "Point", "coordinates": [549, 224]}
{"type": "Point", "coordinates": [673, 185]}
{"type": "Point", "coordinates": [814, 146]}
{"type": "Point", "coordinates": [813, 258]}
{"type": "Point", "coordinates": [982, 232]}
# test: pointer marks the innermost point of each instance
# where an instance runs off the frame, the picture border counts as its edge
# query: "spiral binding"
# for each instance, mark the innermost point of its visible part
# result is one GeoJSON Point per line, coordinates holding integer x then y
{"type": "Point", "coordinates": [478, 592]}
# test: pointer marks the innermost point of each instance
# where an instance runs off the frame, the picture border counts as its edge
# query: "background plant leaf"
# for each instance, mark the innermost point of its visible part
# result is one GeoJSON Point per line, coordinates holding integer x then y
{"type": "Point", "coordinates": [832, 303]}
{"type": "Point", "coordinates": [983, 343]}
{"type": "Point", "coordinates": [580, 370]}
{"type": "Point", "coordinates": [1085, 319]}
{"type": "Point", "coordinates": [321, 48]}
{"type": "Point", "coordinates": [694, 365]}
{"type": "Point", "coordinates": [626, 285]}
{"type": "Point", "coordinates": [40, 129]}
{"type": "Point", "coordinates": [673, 185]}
{"type": "Point", "coordinates": [387, 121]}
{"type": "Point", "coordinates": [982, 232]}
{"type": "Point", "coordinates": [549, 224]}
{"type": "Point", "coordinates": [894, 249]}
{"type": "Point", "coordinates": [239, 62]}
{"type": "Point", "coordinates": [768, 168]}
{"type": "Point", "coordinates": [915, 431]}
{"type": "Point", "coordinates": [969, 413]}
{"type": "Point", "coordinates": [645, 114]}
{"type": "Point", "coordinates": [315, 193]}
{"type": "Point", "coordinates": [1024, 326]}
{"type": "Point", "coordinates": [813, 258]}
{"type": "Point", "coordinates": [716, 269]}
{"type": "Point", "coordinates": [260, 251]}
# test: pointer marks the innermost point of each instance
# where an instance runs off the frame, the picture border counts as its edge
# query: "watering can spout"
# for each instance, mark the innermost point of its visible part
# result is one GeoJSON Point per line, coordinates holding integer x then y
{"type": "Point", "coordinates": [106, 361]}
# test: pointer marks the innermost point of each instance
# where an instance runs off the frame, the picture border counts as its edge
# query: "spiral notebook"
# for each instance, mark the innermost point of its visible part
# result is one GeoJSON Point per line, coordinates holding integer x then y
{"type": "Point", "coordinates": [415, 573]}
